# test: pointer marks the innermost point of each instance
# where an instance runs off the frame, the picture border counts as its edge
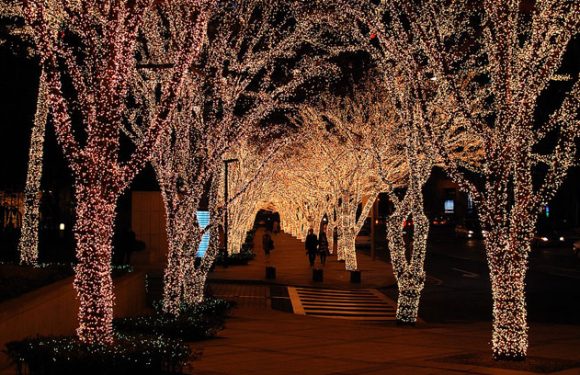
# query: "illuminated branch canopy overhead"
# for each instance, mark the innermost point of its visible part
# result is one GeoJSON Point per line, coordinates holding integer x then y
{"type": "Point", "coordinates": [323, 105]}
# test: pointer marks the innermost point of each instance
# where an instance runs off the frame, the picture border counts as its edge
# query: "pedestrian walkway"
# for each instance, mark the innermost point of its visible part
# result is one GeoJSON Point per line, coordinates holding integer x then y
{"type": "Point", "coordinates": [252, 296]}
{"type": "Point", "coordinates": [292, 267]}
{"type": "Point", "coordinates": [365, 304]}
{"type": "Point", "coordinates": [258, 340]}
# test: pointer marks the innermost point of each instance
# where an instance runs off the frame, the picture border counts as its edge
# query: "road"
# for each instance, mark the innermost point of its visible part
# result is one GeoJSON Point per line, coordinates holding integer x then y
{"type": "Point", "coordinates": [458, 287]}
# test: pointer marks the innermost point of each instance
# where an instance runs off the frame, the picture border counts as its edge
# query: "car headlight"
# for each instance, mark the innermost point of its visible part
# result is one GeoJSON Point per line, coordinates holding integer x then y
{"type": "Point", "coordinates": [545, 239]}
{"type": "Point", "coordinates": [470, 232]}
{"type": "Point", "coordinates": [562, 239]}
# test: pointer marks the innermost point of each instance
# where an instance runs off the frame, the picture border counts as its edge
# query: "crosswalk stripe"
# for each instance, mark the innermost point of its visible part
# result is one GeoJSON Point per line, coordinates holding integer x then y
{"type": "Point", "coordinates": [364, 304]}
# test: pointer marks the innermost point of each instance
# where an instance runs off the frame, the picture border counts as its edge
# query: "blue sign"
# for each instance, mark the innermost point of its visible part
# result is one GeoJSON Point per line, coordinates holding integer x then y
{"type": "Point", "coordinates": [203, 220]}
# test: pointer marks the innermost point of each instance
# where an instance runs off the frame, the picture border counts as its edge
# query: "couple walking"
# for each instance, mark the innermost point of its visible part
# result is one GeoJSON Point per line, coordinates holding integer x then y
{"type": "Point", "coordinates": [316, 246]}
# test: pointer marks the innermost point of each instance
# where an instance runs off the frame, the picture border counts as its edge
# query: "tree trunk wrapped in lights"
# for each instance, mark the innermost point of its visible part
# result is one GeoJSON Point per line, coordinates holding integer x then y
{"type": "Point", "coordinates": [231, 88]}
{"type": "Point", "coordinates": [410, 272]}
{"type": "Point", "coordinates": [93, 53]}
{"type": "Point", "coordinates": [250, 186]}
{"type": "Point", "coordinates": [509, 202]}
{"type": "Point", "coordinates": [28, 245]}
{"type": "Point", "coordinates": [493, 83]}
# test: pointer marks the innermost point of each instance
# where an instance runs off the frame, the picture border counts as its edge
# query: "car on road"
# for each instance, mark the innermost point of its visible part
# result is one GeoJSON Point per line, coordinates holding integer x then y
{"type": "Point", "coordinates": [468, 231]}
{"type": "Point", "coordinates": [441, 221]}
{"type": "Point", "coordinates": [555, 238]}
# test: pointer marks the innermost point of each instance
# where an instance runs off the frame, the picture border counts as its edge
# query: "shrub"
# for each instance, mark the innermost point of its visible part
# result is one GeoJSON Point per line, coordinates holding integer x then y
{"type": "Point", "coordinates": [127, 355]}
{"type": "Point", "coordinates": [194, 323]}
{"type": "Point", "coordinates": [243, 257]}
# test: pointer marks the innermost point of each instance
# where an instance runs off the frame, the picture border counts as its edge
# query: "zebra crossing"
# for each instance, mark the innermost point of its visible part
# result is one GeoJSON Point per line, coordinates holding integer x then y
{"type": "Point", "coordinates": [361, 304]}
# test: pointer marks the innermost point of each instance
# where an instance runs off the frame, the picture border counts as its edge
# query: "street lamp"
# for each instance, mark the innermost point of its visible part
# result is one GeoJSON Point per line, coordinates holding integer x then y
{"type": "Point", "coordinates": [226, 163]}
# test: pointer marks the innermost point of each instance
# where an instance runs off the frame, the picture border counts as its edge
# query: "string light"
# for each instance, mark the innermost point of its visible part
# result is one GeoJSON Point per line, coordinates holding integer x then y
{"type": "Point", "coordinates": [28, 245]}
{"type": "Point", "coordinates": [236, 66]}
{"type": "Point", "coordinates": [491, 63]}
{"type": "Point", "coordinates": [462, 82]}
{"type": "Point", "coordinates": [94, 50]}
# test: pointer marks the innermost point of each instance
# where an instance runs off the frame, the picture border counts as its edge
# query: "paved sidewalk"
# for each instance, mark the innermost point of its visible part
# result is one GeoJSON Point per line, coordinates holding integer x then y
{"type": "Point", "coordinates": [292, 268]}
{"type": "Point", "coordinates": [258, 340]}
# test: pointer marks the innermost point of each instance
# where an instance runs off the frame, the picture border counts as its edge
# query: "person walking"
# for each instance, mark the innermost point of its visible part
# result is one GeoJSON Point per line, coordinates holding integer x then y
{"type": "Point", "coordinates": [322, 246]}
{"type": "Point", "coordinates": [267, 243]}
{"type": "Point", "coordinates": [311, 246]}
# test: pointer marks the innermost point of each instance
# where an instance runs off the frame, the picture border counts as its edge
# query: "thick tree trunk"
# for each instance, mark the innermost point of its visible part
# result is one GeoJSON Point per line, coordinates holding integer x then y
{"type": "Point", "coordinates": [410, 273]}
{"type": "Point", "coordinates": [173, 279]}
{"type": "Point", "coordinates": [196, 288]}
{"type": "Point", "coordinates": [510, 328]}
{"type": "Point", "coordinates": [93, 281]}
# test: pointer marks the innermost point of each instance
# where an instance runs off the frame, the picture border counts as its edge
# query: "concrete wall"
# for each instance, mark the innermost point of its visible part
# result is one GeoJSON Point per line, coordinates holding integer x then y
{"type": "Point", "coordinates": [148, 223]}
{"type": "Point", "coordinates": [52, 310]}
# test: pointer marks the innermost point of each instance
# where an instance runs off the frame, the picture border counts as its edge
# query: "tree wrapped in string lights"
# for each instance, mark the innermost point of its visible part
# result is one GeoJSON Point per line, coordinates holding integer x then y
{"type": "Point", "coordinates": [337, 172]}
{"type": "Point", "coordinates": [233, 86]}
{"type": "Point", "coordinates": [510, 68]}
{"type": "Point", "coordinates": [493, 63]}
{"type": "Point", "coordinates": [28, 244]}
{"type": "Point", "coordinates": [20, 36]}
{"type": "Point", "coordinates": [92, 54]}
{"type": "Point", "coordinates": [252, 165]}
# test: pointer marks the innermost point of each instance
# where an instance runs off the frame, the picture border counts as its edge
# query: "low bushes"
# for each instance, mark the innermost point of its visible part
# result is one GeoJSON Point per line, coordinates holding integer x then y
{"type": "Point", "coordinates": [245, 255]}
{"type": "Point", "coordinates": [194, 323]}
{"type": "Point", "coordinates": [128, 355]}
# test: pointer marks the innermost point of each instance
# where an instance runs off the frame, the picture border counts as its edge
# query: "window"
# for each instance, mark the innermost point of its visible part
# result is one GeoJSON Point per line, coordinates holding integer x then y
{"type": "Point", "coordinates": [449, 206]}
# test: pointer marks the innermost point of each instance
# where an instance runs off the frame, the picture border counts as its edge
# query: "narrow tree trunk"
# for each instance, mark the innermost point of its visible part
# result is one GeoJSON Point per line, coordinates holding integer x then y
{"type": "Point", "coordinates": [410, 287]}
{"type": "Point", "coordinates": [410, 274]}
{"type": "Point", "coordinates": [28, 245]}
{"type": "Point", "coordinates": [348, 244]}
{"type": "Point", "coordinates": [93, 281]}
{"type": "Point", "coordinates": [340, 244]}
{"type": "Point", "coordinates": [193, 277]}
{"type": "Point", "coordinates": [195, 291]}
{"type": "Point", "coordinates": [330, 238]}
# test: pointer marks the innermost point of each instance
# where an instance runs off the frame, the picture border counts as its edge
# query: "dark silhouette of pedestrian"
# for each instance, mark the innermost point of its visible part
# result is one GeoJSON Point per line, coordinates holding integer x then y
{"type": "Point", "coordinates": [267, 242]}
{"type": "Point", "coordinates": [322, 246]}
{"type": "Point", "coordinates": [311, 246]}
{"type": "Point", "coordinates": [125, 244]}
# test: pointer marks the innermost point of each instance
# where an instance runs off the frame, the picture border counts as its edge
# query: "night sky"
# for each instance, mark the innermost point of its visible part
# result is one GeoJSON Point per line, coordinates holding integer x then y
{"type": "Point", "coordinates": [18, 87]}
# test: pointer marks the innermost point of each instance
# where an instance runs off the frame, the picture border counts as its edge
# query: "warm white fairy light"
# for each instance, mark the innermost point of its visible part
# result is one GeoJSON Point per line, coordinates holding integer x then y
{"type": "Point", "coordinates": [328, 174]}
{"type": "Point", "coordinates": [28, 245]}
{"type": "Point", "coordinates": [94, 49]}
{"type": "Point", "coordinates": [491, 62]}
{"type": "Point", "coordinates": [251, 165]}
{"type": "Point", "coordinates": [236, 66]}
{"type": "Point", "coordinates": [390, 138]}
